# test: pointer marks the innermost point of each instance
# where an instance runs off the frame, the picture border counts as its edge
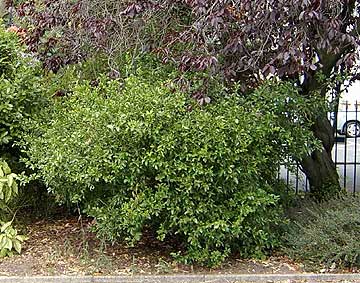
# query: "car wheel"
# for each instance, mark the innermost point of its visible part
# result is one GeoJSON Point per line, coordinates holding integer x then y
{"type": "Point", "coordinates": [352, 129]}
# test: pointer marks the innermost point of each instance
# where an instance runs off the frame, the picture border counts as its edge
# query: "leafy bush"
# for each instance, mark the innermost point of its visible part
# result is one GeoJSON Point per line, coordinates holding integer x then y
{"type": "Point", "coordinates": [327, 234]}
{"type": "Point", "coordinates": [9, 47]}
{"type": "Point", "coordinates": [9, 239]}
{"type": "Point", "coordinates": [137, 155]}
{"type": "Point", "coordinates": [20, 87]}
{"type": "Point", "coordinates": [21, 96]}
{"type": "Point", "coordinates": [8, 185]}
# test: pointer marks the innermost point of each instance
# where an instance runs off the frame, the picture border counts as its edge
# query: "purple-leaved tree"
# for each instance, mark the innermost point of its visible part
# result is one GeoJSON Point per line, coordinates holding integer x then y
{"type": "Point", "coordinates": [308, 42]}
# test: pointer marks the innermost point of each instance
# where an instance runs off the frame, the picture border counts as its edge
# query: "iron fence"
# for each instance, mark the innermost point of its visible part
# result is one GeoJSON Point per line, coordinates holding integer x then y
{"type": "Point", "coordinates": [346, 123]}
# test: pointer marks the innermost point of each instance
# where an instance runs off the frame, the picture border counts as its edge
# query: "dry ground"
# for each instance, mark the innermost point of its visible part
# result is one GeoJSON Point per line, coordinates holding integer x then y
{"type": "Point", "coordinates": [67, 247]}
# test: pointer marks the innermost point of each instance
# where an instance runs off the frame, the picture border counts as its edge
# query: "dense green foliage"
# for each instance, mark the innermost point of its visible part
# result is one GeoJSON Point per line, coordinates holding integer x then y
{"type": "Point", "coordinates": [229, 39]}
{"type": "Point", "coordinates": [137, 155]}
{"type": "Point", "coordinates": [327, 234]}
{"type": "Point", "coordinates": [20, 87]}
{"type": "Point", "coordinates": [9, 239]}
{"type": "Point", "coordinates": [21, 95]}
{"type": "Point", "coordinates": [8, 185]}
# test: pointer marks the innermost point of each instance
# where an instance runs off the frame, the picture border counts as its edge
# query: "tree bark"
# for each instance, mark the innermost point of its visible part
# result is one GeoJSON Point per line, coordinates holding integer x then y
{"type": "Point", "coordinates": [319, 166]}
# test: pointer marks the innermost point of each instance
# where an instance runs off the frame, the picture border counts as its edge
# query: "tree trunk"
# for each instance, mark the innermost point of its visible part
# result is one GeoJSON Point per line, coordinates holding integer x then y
{"type": "Point", "coordinates": [319, 166]}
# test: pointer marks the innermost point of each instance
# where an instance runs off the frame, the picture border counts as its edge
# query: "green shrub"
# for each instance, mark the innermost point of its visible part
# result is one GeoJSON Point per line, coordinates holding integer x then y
{"type": "Point", "coordinates": [21, 96]}
{"type": "Point", "coordinates": [326, 234]}
{"type": "Point", "coordinates": [9, 239]}
{"type": "Point", "coordinates": [8, 185]}
{"type": "Point", "coordinates": [9, 48]}
{"type": "Point", "coordinates": [137, 156]}
{"type": "Point", "coordinates": [21, 90]}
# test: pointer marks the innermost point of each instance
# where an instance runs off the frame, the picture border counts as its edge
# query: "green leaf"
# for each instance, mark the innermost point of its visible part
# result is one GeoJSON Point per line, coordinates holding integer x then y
{"type": "Point", "coordinates": [8, 244]}
{"type": "Point", "coordinates": [10, 180]}
{"type": "Point", "coordinates": [3, 241]}
{"type": "Point", "coordinates": [5, 226]}
{"type": "Point", "coordinates": [2, 193]}
{"type": "Point", "coordinates": [8, 194]}
{"type": "Point", "coordinates": [21, 238]}
{"type": "Point", "coordinates": [6, 168]}
{"type": "Point", "coordinates": [15, 188]}
{"type": "Point", "coordinates": [17, 245]}
{"type": "Point", "coordinates": [3, 252]}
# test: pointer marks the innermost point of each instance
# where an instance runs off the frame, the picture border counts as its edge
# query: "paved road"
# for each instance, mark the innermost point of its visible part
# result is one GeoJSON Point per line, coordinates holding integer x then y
{"type": "Point", "coordinates": [346, 154]}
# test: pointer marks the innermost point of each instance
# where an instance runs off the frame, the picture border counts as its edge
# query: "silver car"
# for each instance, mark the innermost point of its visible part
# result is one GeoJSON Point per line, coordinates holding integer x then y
{"type": "Point", "coordinates": [348, 120]}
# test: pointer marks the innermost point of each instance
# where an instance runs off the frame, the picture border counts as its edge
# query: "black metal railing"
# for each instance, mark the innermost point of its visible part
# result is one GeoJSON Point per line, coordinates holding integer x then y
{"type": "Point", "coordinates": [346, 123]}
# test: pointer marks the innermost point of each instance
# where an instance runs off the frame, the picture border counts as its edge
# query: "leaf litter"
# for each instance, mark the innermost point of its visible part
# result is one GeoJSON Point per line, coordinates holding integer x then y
{"type": "Point", "coordinates": [68, 247]}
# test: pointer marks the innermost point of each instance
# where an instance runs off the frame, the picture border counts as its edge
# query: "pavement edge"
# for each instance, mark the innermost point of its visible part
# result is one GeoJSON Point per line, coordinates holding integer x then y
{"type": "Point", "coordinates": [230, 278]}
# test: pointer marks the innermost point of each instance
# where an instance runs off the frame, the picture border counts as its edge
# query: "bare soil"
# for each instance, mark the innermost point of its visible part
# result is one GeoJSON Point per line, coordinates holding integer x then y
{"type": "Point", "coordinates": [68, 247]}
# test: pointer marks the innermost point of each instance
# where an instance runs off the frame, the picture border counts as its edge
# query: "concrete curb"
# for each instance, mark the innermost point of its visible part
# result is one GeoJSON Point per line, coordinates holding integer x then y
{"type": "Point", "coordinates": [226, 278]}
